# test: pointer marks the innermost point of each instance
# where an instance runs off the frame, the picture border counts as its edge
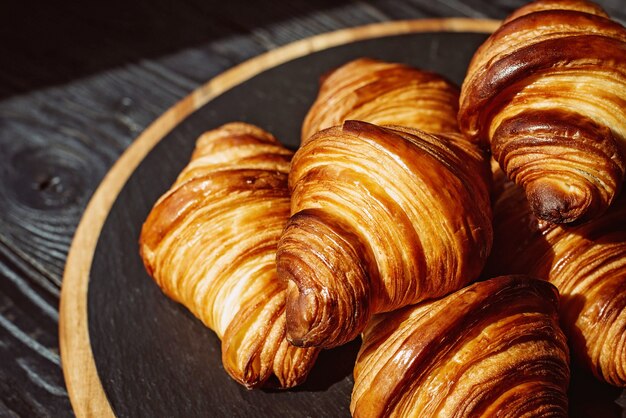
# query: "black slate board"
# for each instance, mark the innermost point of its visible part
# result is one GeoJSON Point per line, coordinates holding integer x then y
{"type": "Point", "coordinates": [152, 356]}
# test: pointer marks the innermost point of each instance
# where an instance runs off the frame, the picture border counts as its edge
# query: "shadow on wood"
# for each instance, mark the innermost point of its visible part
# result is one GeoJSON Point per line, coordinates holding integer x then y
{"type": "Point", "coordinates": [50, 43]}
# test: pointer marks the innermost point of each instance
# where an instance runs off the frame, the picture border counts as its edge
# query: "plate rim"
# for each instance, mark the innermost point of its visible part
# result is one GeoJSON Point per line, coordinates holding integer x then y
{"type": "Point", "coordinates": [82, 381]}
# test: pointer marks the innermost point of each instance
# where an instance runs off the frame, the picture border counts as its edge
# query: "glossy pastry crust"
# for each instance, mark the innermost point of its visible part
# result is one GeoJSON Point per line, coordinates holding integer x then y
{"type": "Point", "coordinates": [383, 217]}
{"type": "Point", "coordinates": [210, 244]}
{"type": "Point", "coordinates": [587, 263]}
{"type": "Point", "coordinates": [547, 91]}
{"type": "Point", "coordinates": [491, 349]}
{"type": "Point", "coordinates": [383, 93]}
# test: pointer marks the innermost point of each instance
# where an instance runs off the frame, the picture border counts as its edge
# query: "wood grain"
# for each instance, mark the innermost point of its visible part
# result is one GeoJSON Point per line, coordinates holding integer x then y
{"type": "Point", "coordinates": [85, 390]}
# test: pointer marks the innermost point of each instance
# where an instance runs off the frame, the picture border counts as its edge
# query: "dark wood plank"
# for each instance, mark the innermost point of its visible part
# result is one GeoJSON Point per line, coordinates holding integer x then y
{"type": "Point", "coordinates": [77, 85]}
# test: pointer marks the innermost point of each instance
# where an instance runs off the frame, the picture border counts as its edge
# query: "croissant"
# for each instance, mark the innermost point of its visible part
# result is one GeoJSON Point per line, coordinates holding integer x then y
{"type": "Point", "coordinates": [382, 217]}
{"type": "Point", "coordinates": [587, 263]}
{"type": "Point", "coordinates": [384, 93]}
{"type": "Point", "coordinates": [210, 244]}
{"type": "Point", "coordinates": [546, 91]}
{"type": "Point", "coordinates": [491, 349]}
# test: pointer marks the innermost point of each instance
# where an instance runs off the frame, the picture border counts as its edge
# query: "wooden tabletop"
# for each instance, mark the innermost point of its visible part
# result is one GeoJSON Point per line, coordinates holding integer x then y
{"type": "Point", "coordinates": [77, 86]}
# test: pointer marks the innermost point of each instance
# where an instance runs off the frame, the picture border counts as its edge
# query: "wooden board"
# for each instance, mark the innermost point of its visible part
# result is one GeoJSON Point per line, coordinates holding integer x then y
{"type": "Point", "coordinates": [124, 346]}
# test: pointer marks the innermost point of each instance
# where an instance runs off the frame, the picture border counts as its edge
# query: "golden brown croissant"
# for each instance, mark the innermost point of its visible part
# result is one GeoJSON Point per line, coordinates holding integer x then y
{"type": "Point", "coordinates": [547, 90]}
{"type": "Point", "coordinates": [210, 244]}
{"type": "Point", "coordinates": [587, 263]}
{"type": "Point", "coordinates": [384, 93]}
{"type": "Point", "coordinates": [381, 218]}
{"type": "Point", "coordinates": [491, 349]}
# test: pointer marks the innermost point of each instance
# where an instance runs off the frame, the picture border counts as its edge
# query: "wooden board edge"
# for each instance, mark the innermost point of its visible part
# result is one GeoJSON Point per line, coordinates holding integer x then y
{"type": "Point", "coordinates": [81, 377]}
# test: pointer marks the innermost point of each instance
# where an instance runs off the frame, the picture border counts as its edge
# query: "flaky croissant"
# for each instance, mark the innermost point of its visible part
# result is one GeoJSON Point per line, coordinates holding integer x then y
{"type": "Point", "coordinates": [210, 244]}
{"type": "Point", "coordinates": [547, 90]}
{"type": "Point", "coordinates": [587, 263]}
{"type": "Point", "coordinates": [383, 93]}
{"type": "Point", "coordinates": [382, 217]}
{"type": "Point", "coordinates": [491, 349]}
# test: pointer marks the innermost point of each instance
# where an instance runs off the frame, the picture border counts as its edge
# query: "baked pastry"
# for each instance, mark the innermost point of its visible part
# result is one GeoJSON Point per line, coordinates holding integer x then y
{"type": "Point", "coordinates": [587, 263]}
{"type": "Point", "coordinates": [210, 244]}
{"type": "Point", "coordinates": [382, 217]}
{"type": "Point", "coordinates": [383, 93]}
{"type": "Point", "coordinates": [491, 349]}
{"type": "Point", "coordinates": [546, 91]}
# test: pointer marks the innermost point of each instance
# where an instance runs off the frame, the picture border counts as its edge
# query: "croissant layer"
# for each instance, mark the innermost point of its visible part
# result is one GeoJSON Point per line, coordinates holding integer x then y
{"type": "Point", "coordinates": [587, 263]}
{"type": "Point", "coordinates": [546, 91]}
{"type": "Point", "coordinates": [210, 244]}
{"type": "Point", "coordinates": [382, 218]}
{"type": "Point", "coordinates": [383, 93]}
{"type": "Point", "coordinates": [491, 349]}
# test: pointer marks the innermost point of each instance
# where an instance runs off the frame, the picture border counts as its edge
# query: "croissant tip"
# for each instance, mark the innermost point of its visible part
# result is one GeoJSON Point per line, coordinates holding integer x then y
{"type": "Point", "coordinates": [300, 309]}
{"type": "Point", "coordinates": [551, 203]}
{"type": "Point", "coordinates": [297, 342]}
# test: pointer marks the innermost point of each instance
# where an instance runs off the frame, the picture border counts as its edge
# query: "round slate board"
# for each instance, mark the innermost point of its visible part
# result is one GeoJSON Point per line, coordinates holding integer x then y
{"type": "Point", "coordinates": [152, 357]}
